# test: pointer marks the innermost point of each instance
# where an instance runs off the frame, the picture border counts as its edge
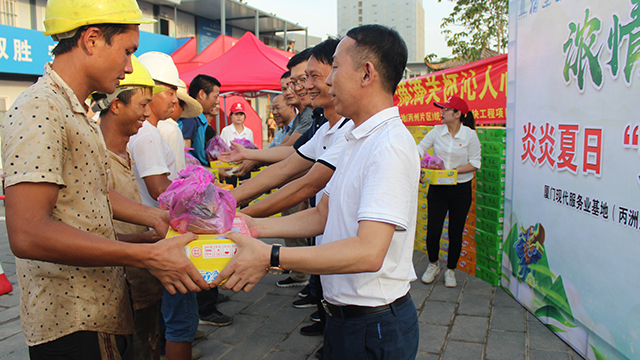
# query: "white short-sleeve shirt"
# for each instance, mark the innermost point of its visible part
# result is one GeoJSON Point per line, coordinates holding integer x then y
{"type": "Point", "coordinates": [151, 156]}
{"type": "Point", "coordinates": [376, 179]}
{"type": "Point", "coordinates": [172, 135]}
{"type": "Point", "coordinates": [462, 149]}
{"type": "Point", "coordinates": [229, 133]}
{"type": "Point", "coordinates": [325, 146]}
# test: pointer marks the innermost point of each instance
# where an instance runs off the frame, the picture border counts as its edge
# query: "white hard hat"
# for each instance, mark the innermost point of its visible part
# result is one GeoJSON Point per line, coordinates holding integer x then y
{"type": "Point", "coordinates": [161, 67]}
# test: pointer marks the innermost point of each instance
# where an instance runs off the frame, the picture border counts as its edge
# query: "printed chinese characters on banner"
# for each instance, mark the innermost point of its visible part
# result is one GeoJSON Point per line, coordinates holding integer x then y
{"type": "Point", "coordinates": [483, 84]}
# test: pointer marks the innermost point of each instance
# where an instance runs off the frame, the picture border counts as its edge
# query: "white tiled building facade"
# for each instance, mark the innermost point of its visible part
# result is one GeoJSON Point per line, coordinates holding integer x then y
{"type": "Point", "coordinates": [405, 16]}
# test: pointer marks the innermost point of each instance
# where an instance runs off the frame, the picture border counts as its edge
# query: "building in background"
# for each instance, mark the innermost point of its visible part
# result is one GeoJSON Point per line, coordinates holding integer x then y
{"type": "Point", "coordinates": [405, 16]}
{"type": "Point", "coordinates": [24, 49]}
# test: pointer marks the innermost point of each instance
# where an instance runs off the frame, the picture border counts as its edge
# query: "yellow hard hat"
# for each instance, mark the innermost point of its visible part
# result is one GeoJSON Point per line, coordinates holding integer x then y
{"type": "Point", "coordinates": [63, 17]}
{"type": "Point", "coordinates": [139, 77]}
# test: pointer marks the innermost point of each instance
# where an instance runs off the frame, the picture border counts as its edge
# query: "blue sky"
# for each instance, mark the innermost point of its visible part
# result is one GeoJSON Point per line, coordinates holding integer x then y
{"type": "Point", "coordinates": [321, 18]}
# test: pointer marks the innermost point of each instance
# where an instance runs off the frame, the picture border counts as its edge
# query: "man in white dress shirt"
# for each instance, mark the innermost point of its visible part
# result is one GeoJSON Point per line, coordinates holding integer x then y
{"type": "Point", "coordinates": [367, 216]}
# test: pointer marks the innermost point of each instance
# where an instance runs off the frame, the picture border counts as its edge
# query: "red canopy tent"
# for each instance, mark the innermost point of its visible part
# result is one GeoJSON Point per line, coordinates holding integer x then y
{"type": "Point", "coordinates": [249, 66]}
{"type": "Point", "coordinates": [218, 47]}
{"type": "Point", "coordinates": [185, 52]}
{"type": "Point", "coordinates": [252, 121]}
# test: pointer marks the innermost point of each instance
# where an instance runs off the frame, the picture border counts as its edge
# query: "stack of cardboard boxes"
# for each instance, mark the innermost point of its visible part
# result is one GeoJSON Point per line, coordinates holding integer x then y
{"type": "Point", "coordinates": [490, 204]}
{"type": "Point", "coordinates": [481, 253]}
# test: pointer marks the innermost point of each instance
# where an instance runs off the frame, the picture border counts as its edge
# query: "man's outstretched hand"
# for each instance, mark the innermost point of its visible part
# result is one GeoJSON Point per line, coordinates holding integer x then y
{"type": "Point", "coordinates": [247, 266]}
{"type": "Point", "coordinates": [237, 153]}
{"type": "Point", "coordinates": [167, 261]}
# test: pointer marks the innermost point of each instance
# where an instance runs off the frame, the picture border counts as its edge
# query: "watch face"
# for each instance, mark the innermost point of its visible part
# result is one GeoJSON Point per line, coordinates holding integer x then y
{"type": "Point", "coordinates": [274, 270]}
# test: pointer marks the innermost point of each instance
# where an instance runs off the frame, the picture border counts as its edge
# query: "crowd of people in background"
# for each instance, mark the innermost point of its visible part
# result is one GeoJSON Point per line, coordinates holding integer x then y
{"type": "Point", "coordinates": [95, 280]}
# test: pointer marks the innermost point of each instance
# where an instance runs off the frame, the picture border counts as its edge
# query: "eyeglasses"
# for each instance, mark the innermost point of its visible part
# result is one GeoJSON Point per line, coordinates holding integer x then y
{"type": "Point", "coordinates": [444, 109]}
{"type": "Point", "coordinates": [300, 82]}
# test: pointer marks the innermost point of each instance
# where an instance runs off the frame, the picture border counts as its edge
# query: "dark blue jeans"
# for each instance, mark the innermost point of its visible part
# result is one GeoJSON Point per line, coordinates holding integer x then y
{"type": "Point", "coordinates": [392, 335]}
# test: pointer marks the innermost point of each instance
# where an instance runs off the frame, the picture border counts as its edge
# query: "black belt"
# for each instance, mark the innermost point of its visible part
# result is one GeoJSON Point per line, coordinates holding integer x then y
{"type": "Point", "coordinates": [353, 311]}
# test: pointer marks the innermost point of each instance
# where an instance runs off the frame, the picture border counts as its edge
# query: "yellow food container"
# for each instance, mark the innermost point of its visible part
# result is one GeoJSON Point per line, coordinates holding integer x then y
{"type": "Point", "coordinates": [210, 253]}
{"type": "Point", "coordinates": [218, 164]}
{"type": "Point", "coordinates": [440, 177]}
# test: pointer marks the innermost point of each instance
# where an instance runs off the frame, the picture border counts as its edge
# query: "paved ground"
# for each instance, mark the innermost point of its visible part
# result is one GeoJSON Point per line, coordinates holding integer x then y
{"type": "Point", "coordinates": [472, 321]}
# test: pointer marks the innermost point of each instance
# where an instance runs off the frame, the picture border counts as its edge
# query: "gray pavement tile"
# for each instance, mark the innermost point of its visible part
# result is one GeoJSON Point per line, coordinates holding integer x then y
{"type": "Point", "coordinates": [13, 346]}
{"type": "Point", "coordinates": [9, 329]}
{"type": "Point", "coordinates": [267, 305]}
{"type": "Point", "coordinates": [232, 307]}
{"type": "Point", "coordinates": [285, 320]}
{"type": "Point", "coordinates": [420, 258]}
{"type": "Point", "coordinates": [437, 312]}
{"type": "Point", "coordinates": [548, 355]}
{"type": "Point", "coordinates": [213, 349]}
{"type": "Point", "coordinates": [476, 286]}
{"type": "Point", "coordinates": [258, 291]}
{"type": "Point", "coordinates": [469, 328]}
{"type": "Point", "coordinates": [255, 346]}
{"type": "Point", "coordinates": [419, 285]}
{"type": "Point", "coordinates": [11, 299]}
{"type": "Point", "coordinates": [502, 298]}
{"type": "Point", "coordinates": [418, 296]}
{"type": "Point", "coordinates": [427, 356]}
{"type": "Point", "coordinates": [457, 350]}
{"type": "Point", "coordinates": [475, 305]}
{"type": "Point", "coordinates": [243, 326]}
{"type": "Point", "coordinates": [432, 338]}
{"type": "Point", "coordinates": [298, 343]}
{"type": "Point", "coordinates": [285, 355]}
{"type": "Point", "coordinates": [442, 293]}
{"type": "Point", "coordinates": [540, 337]}
{"type": "Point", "coordinates": [12, 313]}
{"type": "Point", "coordinates": [508, 318]}
{"type": "Point", "coordinates": [503, 345]}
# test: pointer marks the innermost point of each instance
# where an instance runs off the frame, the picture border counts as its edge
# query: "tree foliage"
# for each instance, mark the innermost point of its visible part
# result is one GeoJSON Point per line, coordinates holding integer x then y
{"type": "Point", "coordinates": [485, 26]}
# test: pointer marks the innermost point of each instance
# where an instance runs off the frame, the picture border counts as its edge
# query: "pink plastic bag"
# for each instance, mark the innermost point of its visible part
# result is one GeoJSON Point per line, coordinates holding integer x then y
{"type": "Point", "coordinates": [215, 146]}
{"type": "Point", "coordinates": [195, 204]}
{"type": "Point", "coordinates": [190, 159]}
{"type": "Point", "coordinates": [245, 143]}
{"type": "Point", "coordinates": [431, 162]}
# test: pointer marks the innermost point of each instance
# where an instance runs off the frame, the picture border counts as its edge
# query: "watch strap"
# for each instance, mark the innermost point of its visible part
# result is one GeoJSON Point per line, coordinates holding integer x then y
{"type": "Point", "coordinates": [275, 255]}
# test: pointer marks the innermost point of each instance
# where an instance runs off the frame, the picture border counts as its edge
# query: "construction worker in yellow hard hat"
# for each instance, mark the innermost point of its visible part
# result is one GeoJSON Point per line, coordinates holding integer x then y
{"type": "Point", "coordinates": [58, 195]}
{"type": "Point", "coordinates": [122, 115]}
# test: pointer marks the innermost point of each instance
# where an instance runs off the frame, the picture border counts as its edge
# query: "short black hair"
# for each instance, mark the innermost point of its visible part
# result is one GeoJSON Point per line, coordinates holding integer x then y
{"type": "Point", "coordinates": [299, 58]}
{"type": "Point", "coordinates": [108, 32]}
{"type": "Point", "coordinates": [202, 82]}
{"type": "Point", "coordinates": [287, 74]}
{"type": "Point", "coordinates": [385, 48]}
{"type": "Point", "coordinates": [324, 51]}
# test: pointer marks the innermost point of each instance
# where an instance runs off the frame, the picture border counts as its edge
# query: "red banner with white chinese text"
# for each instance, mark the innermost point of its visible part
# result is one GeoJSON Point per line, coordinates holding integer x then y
{"type": "Point", "coordinates": [482, 84]}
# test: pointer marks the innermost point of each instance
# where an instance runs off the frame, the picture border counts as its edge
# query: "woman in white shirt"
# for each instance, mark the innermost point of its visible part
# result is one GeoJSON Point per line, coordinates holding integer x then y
{"type": "Point", "coordinates": [236, 130]}
{"type": "Point", "coordinates": [457, 144]}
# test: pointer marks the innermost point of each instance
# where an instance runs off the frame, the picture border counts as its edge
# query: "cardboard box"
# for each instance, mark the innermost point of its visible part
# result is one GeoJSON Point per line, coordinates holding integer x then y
{"type": "Point", "coordinates": [491, 188]}
{"type": "Point", "coordinates": [218, 164]}
{"type": "Point", "coordinates": [494, 162]}
{"type": "Point", "coordinates": [488, 200]}
{"type": "Point", "coordinates": [492, 134]}
{"type": "Point", "coordinates": [487, 239]}
{"type": "Point", "coordinates": [440, 177]}
{"type": "Point", "coordinates": [467, 266]}
{"type": "Point", "coordinates": [490, 253]}
{"type": "Point", "coordinates": [491, 176]}
{"type": "Point", "coordinates": [494, 148]}
{"type": "Point", "coordinates": [210, 253]}
{"type": "Point", "coordinates": [489, 226]}
{"type": "Point", "coordinates": [468, 244]}
{"type": "Point", "coordinates": [488, 213]}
